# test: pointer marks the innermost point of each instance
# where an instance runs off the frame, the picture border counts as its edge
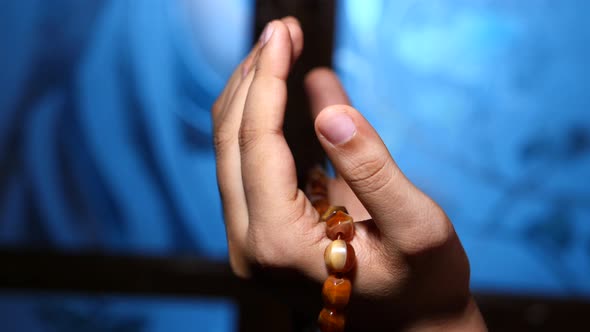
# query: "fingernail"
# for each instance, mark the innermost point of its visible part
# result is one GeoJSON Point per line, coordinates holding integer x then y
{"type": "Point", "coordinates": [266, 34]}
{"type": "Point", "coordinates": [338, 128]}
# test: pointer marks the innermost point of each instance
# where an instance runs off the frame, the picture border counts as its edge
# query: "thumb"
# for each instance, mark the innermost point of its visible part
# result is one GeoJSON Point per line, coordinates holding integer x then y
{"type": "Point", "coordinates": [362, 159]}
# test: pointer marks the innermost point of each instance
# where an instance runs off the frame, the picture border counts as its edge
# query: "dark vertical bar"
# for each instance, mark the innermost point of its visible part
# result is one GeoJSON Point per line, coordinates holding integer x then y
{"type": "Point", "coordinates": [317, 21]}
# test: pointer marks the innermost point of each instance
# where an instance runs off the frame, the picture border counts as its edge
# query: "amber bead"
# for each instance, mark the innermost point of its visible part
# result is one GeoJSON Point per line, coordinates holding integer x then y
{"type": "Point", "coordinates": [321, 206]}
{"type": "Point", "coordinates": [317, 183]}
{"type": "Point", "coordinates": [339, 256]}
{"type": "Point", "coordinates": [317, 188]}
{"type": "Point", "coordinates": [336, 292]}
{"type": "Point", "coordinates": [332, 210]}
{"type": "Point", "coordinates": [339, 225]}
{"type": "Point", "coordinates": [331, 321]}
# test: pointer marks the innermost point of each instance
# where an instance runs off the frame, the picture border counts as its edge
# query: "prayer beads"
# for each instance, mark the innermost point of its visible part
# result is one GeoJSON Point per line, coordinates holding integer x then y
{"type": "Point", "coordinates": [339, 256]}
{"type": "Point", "coordinates": [336, 292]}
{"type": "Point", "coordinates": [339, 225]}
{"type": "Point", "coordinates": [331, 321]}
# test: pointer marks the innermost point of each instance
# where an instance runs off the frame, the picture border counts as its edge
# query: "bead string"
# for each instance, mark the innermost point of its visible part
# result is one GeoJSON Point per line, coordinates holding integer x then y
{"type": "Point", "coordinates": [339, 256]}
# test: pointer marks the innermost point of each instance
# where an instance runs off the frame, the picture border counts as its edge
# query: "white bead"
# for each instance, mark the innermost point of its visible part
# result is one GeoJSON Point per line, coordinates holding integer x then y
{"type": "Point", "coordinates": [339, 256]}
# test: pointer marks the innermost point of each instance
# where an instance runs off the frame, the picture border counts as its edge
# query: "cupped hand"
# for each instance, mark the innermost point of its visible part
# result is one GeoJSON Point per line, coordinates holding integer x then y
{"type": "Point", "coordinates": [411, 273]}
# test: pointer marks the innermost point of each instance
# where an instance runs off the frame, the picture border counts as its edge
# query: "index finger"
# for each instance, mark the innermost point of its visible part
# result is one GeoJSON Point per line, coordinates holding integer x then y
{"type": "Point", "coordinates": [268, 168]}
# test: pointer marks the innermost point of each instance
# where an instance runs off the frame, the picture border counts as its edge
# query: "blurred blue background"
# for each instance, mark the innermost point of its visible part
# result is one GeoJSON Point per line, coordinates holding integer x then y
{"type": "Point", "coordinates": [485, 106]}
{"type": "Point", "coordinates": [105, 139]}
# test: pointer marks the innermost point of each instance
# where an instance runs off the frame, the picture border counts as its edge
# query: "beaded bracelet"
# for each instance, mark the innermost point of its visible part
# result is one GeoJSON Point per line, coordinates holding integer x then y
{"type": "Point", "coordinates": [339, 255]}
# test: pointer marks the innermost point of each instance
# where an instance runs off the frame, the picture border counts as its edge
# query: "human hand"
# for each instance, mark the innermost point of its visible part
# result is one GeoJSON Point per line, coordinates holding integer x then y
{"type": "Point", "coordinates": [411, 272]}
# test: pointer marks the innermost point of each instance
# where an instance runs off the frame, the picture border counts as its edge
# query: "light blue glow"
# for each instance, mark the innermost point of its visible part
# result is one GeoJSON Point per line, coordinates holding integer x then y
{"type": "Point", "coordinates": [484, 105]}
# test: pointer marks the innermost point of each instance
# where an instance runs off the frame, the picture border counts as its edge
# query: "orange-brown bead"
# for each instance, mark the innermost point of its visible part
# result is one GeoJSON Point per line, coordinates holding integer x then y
{"type": "Point", "coordinates": [317, 183]}
{"type": "Point", "coordinates": [321, 205]}
{"type": "Point", "coordinates": [336, 292]}
{"type": "Point", "coordinates": [339, 256]}
{"type": "Point", "coordinates": [332, 210]}
{"type": "Point", "coordinates": [331, 321]}
{"type": "Point", "coordinates": [317, 187]}
{"type": "Point", "coordinates": [339, 225]}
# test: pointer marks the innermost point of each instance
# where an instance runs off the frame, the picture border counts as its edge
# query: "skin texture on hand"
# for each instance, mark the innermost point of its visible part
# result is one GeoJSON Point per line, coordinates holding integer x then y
{"type": "Point", "coordinates": [412, 272]}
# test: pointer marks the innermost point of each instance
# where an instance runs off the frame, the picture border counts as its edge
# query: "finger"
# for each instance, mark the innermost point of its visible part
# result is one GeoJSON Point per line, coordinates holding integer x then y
{"type": "Point", "coordinates": [245, 66]}
{"type": "Point", "coordinates": [229, 176]}
{"type": "Point", "coordinates": [399, 209]}
{"type": "Point", "coordinates": [239, 74]}
{"type": "Point", "coordinates": [227, 151]}
{"type": "Point", "coordinates": [220, 105]}
{"type": "Point", "coordinates": [226, 114]}
{"type": "Point", "coordinates": [226, 138]}
{"type": "Point", "coordinates": [324, 89]}
{"type": "Point", "coordinates": [268, 169]}
{"type": "Point", "coordinates": [296, 39]}
{"type": "Point", "coordinates": [296, 35]}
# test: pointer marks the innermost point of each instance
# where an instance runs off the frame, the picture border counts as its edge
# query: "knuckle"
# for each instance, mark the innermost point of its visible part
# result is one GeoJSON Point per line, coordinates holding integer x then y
{"type": "Point", "coordinates": [372, 174]}
{"type": "Point", "coordinates": [250, 137]}
{"type": "Point", "coordinates": [268, 85]}
{"type": "Point", "coordinates": [441, 228]}
{"type": "Point", "coordinates": [433, 231]}
{"type": "Point", "coordinates": [223, 138]}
